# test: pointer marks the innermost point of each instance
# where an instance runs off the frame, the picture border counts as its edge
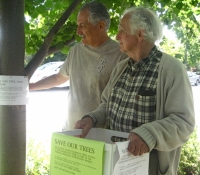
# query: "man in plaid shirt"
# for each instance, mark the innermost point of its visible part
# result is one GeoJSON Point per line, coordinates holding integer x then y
{"type": "Point", "coordinates": [148, 95]}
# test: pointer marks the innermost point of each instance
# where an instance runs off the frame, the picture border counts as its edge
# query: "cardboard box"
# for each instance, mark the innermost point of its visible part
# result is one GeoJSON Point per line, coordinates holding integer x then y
{"type": "Point", "coordinates": [94, 155]}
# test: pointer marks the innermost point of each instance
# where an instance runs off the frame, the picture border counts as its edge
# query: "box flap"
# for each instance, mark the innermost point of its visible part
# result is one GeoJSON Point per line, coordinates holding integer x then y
{"type": "Point", "coordinates": [98, 134]}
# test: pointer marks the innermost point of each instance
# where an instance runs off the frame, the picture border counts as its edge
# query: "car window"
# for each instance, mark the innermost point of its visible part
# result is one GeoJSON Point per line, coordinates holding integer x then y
{"type": "Point", "coordinates": [53, 67]}
{"type": "Point", "coordinates": [46, 65]}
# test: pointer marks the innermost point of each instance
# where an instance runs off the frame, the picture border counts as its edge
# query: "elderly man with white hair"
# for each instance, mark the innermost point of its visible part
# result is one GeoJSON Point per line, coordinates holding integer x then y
{"type": "Point", "coordinates": [148, 95]}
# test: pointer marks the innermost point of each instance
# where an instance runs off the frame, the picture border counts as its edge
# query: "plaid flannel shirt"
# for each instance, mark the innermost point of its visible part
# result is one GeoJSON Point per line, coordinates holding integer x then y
{"type": "Point", "coordinates": [133, 99]}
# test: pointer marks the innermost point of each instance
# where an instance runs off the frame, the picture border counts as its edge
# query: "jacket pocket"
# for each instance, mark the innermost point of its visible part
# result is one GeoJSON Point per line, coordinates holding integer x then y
{"type": "Point", "coordinates": [166, 172]}
{"type": "Point", "coordinates": [145, 108]}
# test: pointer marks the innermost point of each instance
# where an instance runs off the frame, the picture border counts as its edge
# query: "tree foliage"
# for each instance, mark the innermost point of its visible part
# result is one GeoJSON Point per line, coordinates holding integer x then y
{"type": "Point", "coordinates": [41, 16]}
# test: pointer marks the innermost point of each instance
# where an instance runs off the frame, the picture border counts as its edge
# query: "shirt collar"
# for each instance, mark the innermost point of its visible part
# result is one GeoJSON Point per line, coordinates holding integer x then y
{"type": "Point", "coordinates": [142, 63]}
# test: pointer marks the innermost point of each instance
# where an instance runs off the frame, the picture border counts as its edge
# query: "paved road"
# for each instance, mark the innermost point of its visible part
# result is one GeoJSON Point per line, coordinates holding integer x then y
{"type": "Point", "coordinates": [46, 111]}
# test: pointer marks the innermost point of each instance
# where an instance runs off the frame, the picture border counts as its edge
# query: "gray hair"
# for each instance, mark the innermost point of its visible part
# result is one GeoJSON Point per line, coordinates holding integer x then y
{"type": "Point", "coordinates": [143, 18]}
{"type": "Point", "coordinates": [97, 12]}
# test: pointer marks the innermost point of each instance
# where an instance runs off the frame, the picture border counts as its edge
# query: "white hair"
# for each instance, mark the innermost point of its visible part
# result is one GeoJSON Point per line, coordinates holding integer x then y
{"type": "Point", "coordinates": [147, 20]}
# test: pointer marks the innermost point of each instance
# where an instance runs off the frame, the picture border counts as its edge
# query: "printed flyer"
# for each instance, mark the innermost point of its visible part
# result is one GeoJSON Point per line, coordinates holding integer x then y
{"type": "Point", "coordinates": [76, 156]}
{"type": "Point", "coordinates": [13, 90]}
{"type": "Point", "coordinates": [128, 164]}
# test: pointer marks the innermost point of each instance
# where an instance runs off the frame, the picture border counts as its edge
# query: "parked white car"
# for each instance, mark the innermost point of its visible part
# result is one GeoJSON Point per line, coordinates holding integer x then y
{"type": "Point", "coordinates": [194, 78]}
{"type": "Point", "coordinates": [47, 70]}
{"type": "Point", "coordinates": [46, 65]}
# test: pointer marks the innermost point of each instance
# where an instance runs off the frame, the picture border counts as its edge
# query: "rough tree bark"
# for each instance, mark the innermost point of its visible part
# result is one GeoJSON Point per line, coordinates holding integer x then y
{"type": "Point", "coordinates": [12, 118]}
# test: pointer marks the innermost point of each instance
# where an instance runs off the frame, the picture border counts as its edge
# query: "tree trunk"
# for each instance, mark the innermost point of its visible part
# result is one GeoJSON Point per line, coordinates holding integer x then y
{"type": "Point", "coordinates": [12, 118]}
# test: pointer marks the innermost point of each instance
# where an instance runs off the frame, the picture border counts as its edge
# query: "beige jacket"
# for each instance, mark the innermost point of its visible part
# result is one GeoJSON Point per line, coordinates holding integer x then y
{"type": "Point", "coordinates": [175, 119]}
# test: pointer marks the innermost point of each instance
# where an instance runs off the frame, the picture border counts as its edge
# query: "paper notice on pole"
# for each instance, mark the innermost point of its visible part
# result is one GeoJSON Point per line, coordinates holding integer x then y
{"type": "Point", "coordinates": [13, 90]}
{"type": "Point", "coordinates": [128, 164]}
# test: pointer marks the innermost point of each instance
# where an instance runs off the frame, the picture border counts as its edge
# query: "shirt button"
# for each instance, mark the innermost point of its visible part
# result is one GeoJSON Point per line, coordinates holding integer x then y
{"type": "Point", "coordinates": [137, 97]}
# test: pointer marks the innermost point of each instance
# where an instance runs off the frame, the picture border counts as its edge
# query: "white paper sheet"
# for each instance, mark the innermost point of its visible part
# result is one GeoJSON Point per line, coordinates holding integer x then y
{"type": "Point", "coordinates": [128, 164]}
{"type": "Point", "coordinates": [13, 90]}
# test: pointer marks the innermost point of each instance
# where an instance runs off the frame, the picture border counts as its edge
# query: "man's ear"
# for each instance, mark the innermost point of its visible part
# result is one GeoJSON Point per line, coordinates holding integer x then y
{"type": "Point", "coordinates": [102, 25]}
{"type": "Point", "coordinates": [141, 35]}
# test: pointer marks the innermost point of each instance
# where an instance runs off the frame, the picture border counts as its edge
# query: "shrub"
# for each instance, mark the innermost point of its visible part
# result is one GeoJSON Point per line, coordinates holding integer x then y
{"type": "Point", "coordinates": [37, 159]}
{"type": "Point", "coordinates": [190, 156]}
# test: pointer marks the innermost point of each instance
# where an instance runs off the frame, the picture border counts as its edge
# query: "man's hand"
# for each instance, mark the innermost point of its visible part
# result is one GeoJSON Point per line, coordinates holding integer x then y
{"type": "Point", "coordinates": [137, 146]}
{"type": "Point", "coordinates": [85, 124]}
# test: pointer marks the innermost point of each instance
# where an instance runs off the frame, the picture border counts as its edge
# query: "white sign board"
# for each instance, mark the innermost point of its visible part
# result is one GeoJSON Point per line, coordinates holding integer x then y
{"type": "Point", "coordinates": [13, 90]}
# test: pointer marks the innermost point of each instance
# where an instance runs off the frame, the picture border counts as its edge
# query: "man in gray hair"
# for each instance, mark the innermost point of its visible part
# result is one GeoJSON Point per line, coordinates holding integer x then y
{"type": "Point", "coordinates": [148, 95]}
{"type": "Point", "coordinates": [89, 63]}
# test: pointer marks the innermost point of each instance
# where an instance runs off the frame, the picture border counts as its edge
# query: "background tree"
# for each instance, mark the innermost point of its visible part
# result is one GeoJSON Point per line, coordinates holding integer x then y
{"type": "Point", "coordinates": [42, 16]}
{"type": "Point", "coordinates": [173, 47]}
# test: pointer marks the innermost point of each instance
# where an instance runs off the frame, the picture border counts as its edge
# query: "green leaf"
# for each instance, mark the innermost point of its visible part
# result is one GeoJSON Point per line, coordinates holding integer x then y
{"type": "Point", "coordinates": [179, 5]}
{"type": "Point", "coordinates": [41, 9]}
{"type": "Point", "coordinates": [166, 1]}
{"type": "Point", "coordinates": [151, 2]}
{"type": "Point", "coordinates": [65, 50]}
{"type": "Point", "coordinates": [78, 38]}
{"type": "Point", "coordinates": [189, 14]}
{"type": "Point", "coordinates": [49, 4]}
{"type": "Point", "coordinates": [59, 45]}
